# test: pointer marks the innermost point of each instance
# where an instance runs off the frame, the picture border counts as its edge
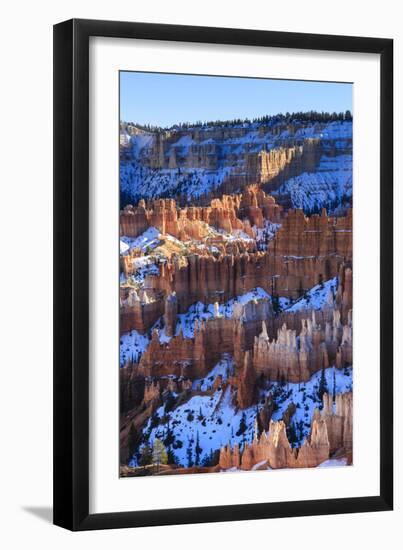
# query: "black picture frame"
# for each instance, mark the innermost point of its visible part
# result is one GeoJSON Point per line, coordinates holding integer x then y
{"type": "Point", "coordinates": [71, 274]}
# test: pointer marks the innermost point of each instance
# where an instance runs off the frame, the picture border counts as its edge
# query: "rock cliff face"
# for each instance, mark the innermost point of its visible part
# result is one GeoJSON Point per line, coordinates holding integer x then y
{"type": "Point", "coordinates": [139, 311]}
{"type": "Point", "coordinates": [322, 235]}
{"type": "Point", "coordinates": [330, 432]}
{"type": "Point", "coordinates": [259, 346]}
{"type": "Point", "coordinates": [338, 418]}
{"type": "Point", "coordinates": [303, 159]}
{"type": "Point", "coordinates": [246, 383]}
{"type": "Point", "coordinates": [303, 253]}
{"type": "Point", "coordinates": [200, 163]}
{"type": "Point", "coordinates": [230, 213]}
{"type": "Point", "coordinates": [171, 314]}
{"type": "Point", "coordinates": [295, 359]}
{"type": "Point", "coordinates": [195, 357]}
{"type": "Point", "coordinates": [290, 357]}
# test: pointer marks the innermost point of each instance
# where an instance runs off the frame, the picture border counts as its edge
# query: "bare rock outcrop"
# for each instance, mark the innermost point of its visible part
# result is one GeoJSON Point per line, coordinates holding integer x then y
{"type": "Point", "coordinates": [246, 383]}
{"type": "Point", "coordinates": [339, 421]}
{"type": "Point", "coordinates": [229, 213]}
{"type": "Point", "coordinates": [287, 358]}
{"type": "Point", "coordinates": [170, 314]}
{"type": "Point", "coordinates": [139, 310]}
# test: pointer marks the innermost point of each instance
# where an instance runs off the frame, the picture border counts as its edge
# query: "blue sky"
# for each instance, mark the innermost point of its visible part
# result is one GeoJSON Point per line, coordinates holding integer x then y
{"type": "Point", "coordinates": [166, 99]}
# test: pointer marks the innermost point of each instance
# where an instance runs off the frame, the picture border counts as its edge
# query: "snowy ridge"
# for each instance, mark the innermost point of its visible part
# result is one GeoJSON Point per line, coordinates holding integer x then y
{"type": "Point", "coordinates": [316, 298]}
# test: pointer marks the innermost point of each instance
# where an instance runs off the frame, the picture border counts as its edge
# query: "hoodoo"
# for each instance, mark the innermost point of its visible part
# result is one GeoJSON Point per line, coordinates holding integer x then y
{"type": "Point", "coordinates": [329, 432]}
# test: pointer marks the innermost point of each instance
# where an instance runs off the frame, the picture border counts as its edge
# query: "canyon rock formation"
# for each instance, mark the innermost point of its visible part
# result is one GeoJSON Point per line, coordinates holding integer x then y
{"type": "Point", "coordinates": [229, 213]}
{"type": "Point", "coordinates": [236, 294]}
{"type": "Point", "coordinates": [304, 252]}
{"type": "Point", "coordinates": [330, 431]}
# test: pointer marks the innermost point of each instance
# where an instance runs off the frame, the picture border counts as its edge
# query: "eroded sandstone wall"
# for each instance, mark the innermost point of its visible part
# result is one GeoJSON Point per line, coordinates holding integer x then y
{"type": "Point", "coordinates": [230, 212]}
{"type": "Point", "coordinates": [292, 356]}
{"type": "Point", "coordinates": [304, 252]}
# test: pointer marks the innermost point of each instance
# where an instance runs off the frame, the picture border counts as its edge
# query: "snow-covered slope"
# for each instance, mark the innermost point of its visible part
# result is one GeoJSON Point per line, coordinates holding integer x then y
{"type": "Point", "coordinates": [331, 183]}
{"type": "Point", "coordinates": [315, 298]}
{"type": "Point", "coordinates": [330, 186]}
{"type": "Point", "coordinates": [150, 239]}
{"type": "Point", "coordinates": [143, 182]}
{"type": "Point", "coordinates": [332, 180]}
{"type": "Point", "coordinates": [212, 419]}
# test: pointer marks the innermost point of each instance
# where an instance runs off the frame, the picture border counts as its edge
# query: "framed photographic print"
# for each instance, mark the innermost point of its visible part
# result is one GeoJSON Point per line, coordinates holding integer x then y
{"type": "Point", "coordinates": [223, 320]}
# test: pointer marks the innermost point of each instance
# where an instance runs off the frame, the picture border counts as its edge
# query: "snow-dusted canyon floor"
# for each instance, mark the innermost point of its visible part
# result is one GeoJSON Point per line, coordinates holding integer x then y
{"type": "Point", "coordinates": [211, 418]}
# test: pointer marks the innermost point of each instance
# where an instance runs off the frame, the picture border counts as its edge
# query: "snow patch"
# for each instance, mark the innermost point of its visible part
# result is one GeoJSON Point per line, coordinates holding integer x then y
{"type": "Point", "coordinates": [150, 239]}
{"type": "Point", "coordinates": [333, 463]}
{"type": "Point", "coordinates": [316, 298]}
{"type": "Point", "coordinates": [132, 345]}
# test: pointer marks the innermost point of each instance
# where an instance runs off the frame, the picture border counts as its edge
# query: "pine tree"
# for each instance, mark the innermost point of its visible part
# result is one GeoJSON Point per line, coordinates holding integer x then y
{"type": "Point", "coordinates": [171, 457]}
{"type": "Point", "coordinates": [198, 450]}
{"type": "Point", "coordinates": [322, 385]}
{"type": "Point", "coordinates": [155, 420]}
{"type": "Point", "coordinates": [275, 301]}
{"type": "Point", "coordinates": [169, 436]}
{"type": "Point", "coordinates": [242, 425]}
{"type": "Point", "coordinates": [206, 459]}
{"type": "Point", "coordinates": [146, 455]}
{"type": "Point", "coordinates": [258, 421]}
{"type": "Point", "coordinates": [292, 434]}
{"type": "Point", "coordinates": [189, 454]}
{"type": "Point", "coordinates": [159, 455]}
{"type": "Point", "coordinates": [300, 426]}
{"type": "Point", "coordinates": [132, 440]}
{"type": "Point", "coordinates": [169, 402]}
{"type": "Point", "coordinates": [211, 459]}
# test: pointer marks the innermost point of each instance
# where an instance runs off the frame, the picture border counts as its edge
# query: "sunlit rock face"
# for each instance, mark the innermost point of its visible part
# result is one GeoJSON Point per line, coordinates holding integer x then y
{"type": "Point", "coordinates": [330, 431]}
{"type": "Point", "coordinates": [302, 253]}
{"type": "Point", "coordinates": [229, 213]}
